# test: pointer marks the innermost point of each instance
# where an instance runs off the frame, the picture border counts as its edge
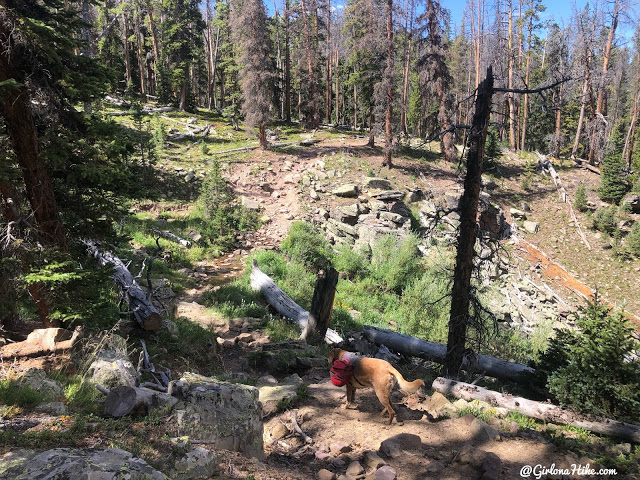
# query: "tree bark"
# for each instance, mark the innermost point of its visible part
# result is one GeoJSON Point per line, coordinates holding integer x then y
{"type": "Point", "coordinates": [140, 53]}
{"type": "Point", "coordinates": [314, 121]}
{"type": "Point", "coordinates": [283, 303]}
{"type": "Point", "coordinates": [388, 129]}
{"type": "Point", "coordinates": [437, 352]}
{"type": "Point", "coordinates": [461, 292]}
{"type": "Point", "coordinates": [328, 67]}
{"type": "Point", "coordinates": [287, 65]}
{"type": "Point", "coordinates": [510, 99]}
{"type": "Point", "coordinates": [321, 305]}
{"type": "Point", "coordinates": [125, 43]}
{"type": "Point", "coordinates": [576, 141]}
{"type": "Point", "coordinates": [627, 152]}
{"type": "Point", "coordinates": [542, 411]}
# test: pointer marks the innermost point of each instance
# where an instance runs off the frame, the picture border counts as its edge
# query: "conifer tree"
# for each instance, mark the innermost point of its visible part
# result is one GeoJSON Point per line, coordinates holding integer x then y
{"type": "Point", "coordinates": [250, 33]}
{"type": "Point", "coordinates": [182, 46]}
{"type": "Point", "coordinates": [613, 184]}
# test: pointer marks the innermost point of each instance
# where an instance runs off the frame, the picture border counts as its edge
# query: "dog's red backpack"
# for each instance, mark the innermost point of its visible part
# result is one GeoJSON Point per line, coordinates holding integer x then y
{"type": "Point", "coordinates": [341, 371]}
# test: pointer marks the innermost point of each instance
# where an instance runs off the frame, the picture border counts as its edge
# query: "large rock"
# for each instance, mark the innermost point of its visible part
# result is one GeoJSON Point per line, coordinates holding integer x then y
{"type": "Point", "coordinates": [112, 369]}
{"type": "Point", "coordinates": [349, 191]}
{"type": "Point", "coordinates": [37, 380]}
{"type": "Point", "coordinates": [379, 183]}
{"type": "Point", "coordinates": [491, 220]}
{"type": "Point", "coordinates": [227, 415]}
{"type": "Point", "coordinates": [76, 464]}
{"type": "Point", "coordinates": [272, 396]}
{"type": "Point", "coordinates": [633, 200]}
{"type": "Point", "coordinates": [197, 464]}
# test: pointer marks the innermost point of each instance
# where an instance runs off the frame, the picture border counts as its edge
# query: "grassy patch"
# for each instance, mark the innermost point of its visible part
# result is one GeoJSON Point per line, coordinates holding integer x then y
{"type": "Point", "coordinates": [12, 393]}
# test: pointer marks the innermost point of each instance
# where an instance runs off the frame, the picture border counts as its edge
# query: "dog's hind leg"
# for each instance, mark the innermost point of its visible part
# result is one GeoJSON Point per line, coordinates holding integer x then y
{"type": "Point", "coordinates": [383, 392]}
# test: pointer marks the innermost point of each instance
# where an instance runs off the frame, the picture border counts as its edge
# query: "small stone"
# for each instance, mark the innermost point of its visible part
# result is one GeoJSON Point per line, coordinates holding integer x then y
{"type": "Point", "coordinates": [355, 468]}
{"type": "Point", "coordinates": [279, 430]}
{"type": "Point", "coordinates": [531, 227]}
{"type": "Point", "coordinates": [322, 455]}
{"type": "Point", "coordinates": [372, 460]}
{"type": "Point", "coordinates": [325, 474]}
{"type": "Point", "coordinates": [52, 408]}
{"type": "Point", "coordinates": [245, 338]}
{"type": "Point", "coordinates": [337, 448]}
{"type": "Point", "coordinates": [266, 380]}
{"type": "Point", "coordinates": [338, 462]}
{"type": "Point", "coordinates": [384, 473]}
{"type": "Point", "coordinates": [491, 467]}
{"type": "Point", "coordinates": [390, 448]}
{"type": "Point", "coordinates": [378, 183]}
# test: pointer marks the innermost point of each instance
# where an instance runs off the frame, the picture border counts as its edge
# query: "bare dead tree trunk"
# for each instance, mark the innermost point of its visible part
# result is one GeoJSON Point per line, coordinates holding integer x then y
{"type": "Point", "coordinates": [583, 105]}
{"type": "Point", "coordinates": [140, 53]}
{"type": "Point", "coordinates": [405, 74]}
{"type": "Point", "coordinates": [262, 135]}
{"type": "Point", "coordinates": [556, 151]}
{"type": "Point", "coordinates": [328, 79]}
{"type": "Point", "coordinates": [154, 41]}
{"type": "Point", "coordinates": [321, 306]}
{"type": "Point", "coordinates": [355, 107]}
{"type": "Point", "coordinates": [461, 291]}
{"type": "Point", "coordinates": [510, 99]}
{"type": "Point", "coordinates": [287, 65]}
{"type": "Point", "coordinates": [629, 140]}
{"type": "Point", "coordinates": [125, 42]}
{"type": "Point", "coordinates": [525, 103]}
{"type": "Point", "coordinates": [313, 123]}
{"type": "Point", "coordinates": [388, 131]}
{"type": "Point", "coordinates": [601, 102]}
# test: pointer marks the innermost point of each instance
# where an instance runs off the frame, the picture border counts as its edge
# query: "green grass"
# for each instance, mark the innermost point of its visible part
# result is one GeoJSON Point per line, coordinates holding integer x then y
{"type": "Point", "coordinates": [12, 393]}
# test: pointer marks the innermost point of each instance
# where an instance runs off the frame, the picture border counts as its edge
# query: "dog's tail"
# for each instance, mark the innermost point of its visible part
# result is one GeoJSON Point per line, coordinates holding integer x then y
{"type": "Point", "coordinates": [406, 387]}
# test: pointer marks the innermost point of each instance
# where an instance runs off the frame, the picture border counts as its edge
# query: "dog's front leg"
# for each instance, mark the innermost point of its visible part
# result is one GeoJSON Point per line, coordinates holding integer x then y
{"type": "Point", "coordinates": [351, 393]}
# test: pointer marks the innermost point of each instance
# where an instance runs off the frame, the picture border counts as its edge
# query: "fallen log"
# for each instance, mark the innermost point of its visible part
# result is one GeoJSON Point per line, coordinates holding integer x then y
{"type": "Point", "coordinates": [585, 164]}
{"type": "Point", "coordinates": [283, 303]}
{"type": "Point", "coordinates": [542, 411]}
{"type": "Point", "coordinates": [145, 313]}
{"type": "Point", "coordinates": [40, 347]}
{"type": "Point", "coordinates": [490, 366]}
{"type": "Point", "coordinates": [174, 238]}
{"type": "Point", "coordinates": [125, 400]}
{"type": "Point", "coordinates": [564, 196]}
{"type": "Point", "coordinates": [247, 148]}
{"type": "Point", "coordinates": [304, 143]}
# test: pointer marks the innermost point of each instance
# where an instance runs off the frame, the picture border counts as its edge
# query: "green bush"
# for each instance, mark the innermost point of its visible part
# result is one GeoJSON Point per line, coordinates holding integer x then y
{"type": "Point", "coordinates": [350, 262]}
{"type": "Point", "coordinates": [589, 369]}
{"type": "Point", "coordinates": [425, 306]}
{"type": "Point", "coordinates": [222, 217]}
{"type": "Point", "coordinates": [581, 199]}
{"type": "Point", "coordinates": [613, 181]}
{"type": "Point", "coordinates": [395, 262]}
{"type": "Point", "coordinates": [633, 240]}
{"type": "Point", "coordinates": [604, 220]}
{"type": "Point", "coordinates": [14, 394]}
{"type": "Point", "coordinates": [307, 245]}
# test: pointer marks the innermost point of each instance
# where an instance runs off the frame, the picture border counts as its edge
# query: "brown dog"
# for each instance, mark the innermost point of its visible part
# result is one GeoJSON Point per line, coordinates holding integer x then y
{"type": "Point", "coordinates": [376, 373]}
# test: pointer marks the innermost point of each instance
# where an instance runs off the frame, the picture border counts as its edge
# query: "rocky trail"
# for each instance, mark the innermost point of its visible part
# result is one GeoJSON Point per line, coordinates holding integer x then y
{"type": "Point", "coordinates": [338, 185]}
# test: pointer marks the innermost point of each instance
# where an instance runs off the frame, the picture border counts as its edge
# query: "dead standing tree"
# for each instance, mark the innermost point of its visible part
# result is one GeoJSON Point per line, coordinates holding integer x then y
{"type": "Point", "coordinates": [461, 292]}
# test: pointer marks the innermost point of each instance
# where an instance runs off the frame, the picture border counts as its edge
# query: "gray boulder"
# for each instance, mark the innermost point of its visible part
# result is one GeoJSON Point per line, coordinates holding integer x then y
{"type": "Point", "coordinates": [199, 463]}
{"type": "Point", "coordinates": [112, 369]}
{"type": "Point", "coordinates": [37, 380]}
{"type": "Point", "coordinates": [227, 415]}
{"type": "Point", "coordinates": [379, 183]}
{"type": "Point", "coordinates": [78, 464]}
{"type": "Point", "coordinates": [348, 191]}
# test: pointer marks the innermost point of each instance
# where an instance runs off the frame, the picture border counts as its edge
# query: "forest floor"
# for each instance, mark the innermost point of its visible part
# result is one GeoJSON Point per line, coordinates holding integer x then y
{"type": "Point", "coordinates": [273, 180]}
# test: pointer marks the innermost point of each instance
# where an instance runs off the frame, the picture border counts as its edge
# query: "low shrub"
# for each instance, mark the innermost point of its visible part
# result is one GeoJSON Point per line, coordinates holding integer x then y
{"type": "Point", "coordinates": [581, 199]}
{"type": "Point", "coordinates": [307, 245]}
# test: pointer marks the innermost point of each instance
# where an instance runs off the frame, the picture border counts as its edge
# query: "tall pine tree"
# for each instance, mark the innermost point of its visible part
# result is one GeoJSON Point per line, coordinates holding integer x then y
{"type": "Point", "coordinates": [249, 29]}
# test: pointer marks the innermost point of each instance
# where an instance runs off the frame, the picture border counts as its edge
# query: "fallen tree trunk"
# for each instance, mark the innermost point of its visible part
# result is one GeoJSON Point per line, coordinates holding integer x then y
{"type": "Point", "coordinates": [564, 196]}
{"type": "Point", "coordinates": [145, 313]}
{"type": "Point", "coordinates": [174, 238]}
{"type": "Point", "coordinates": [585, 164]}
{"type": "Point", "coordinates": [124, 400]}
{"type": "Point", "coordinates": [191, 133]}
{"type": "Point", "coordinates": [247, 148]}
{"type": "Point", "coordinates": [143, 111]}
{"type": "Point", "coordinates": [542, 411]}
{"type": "Point", "coordinates": [304, 143]}
{"type": "Point", "coordinates": [493, 367]}
{"type": "Point", "coordinates": [283, 303]}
